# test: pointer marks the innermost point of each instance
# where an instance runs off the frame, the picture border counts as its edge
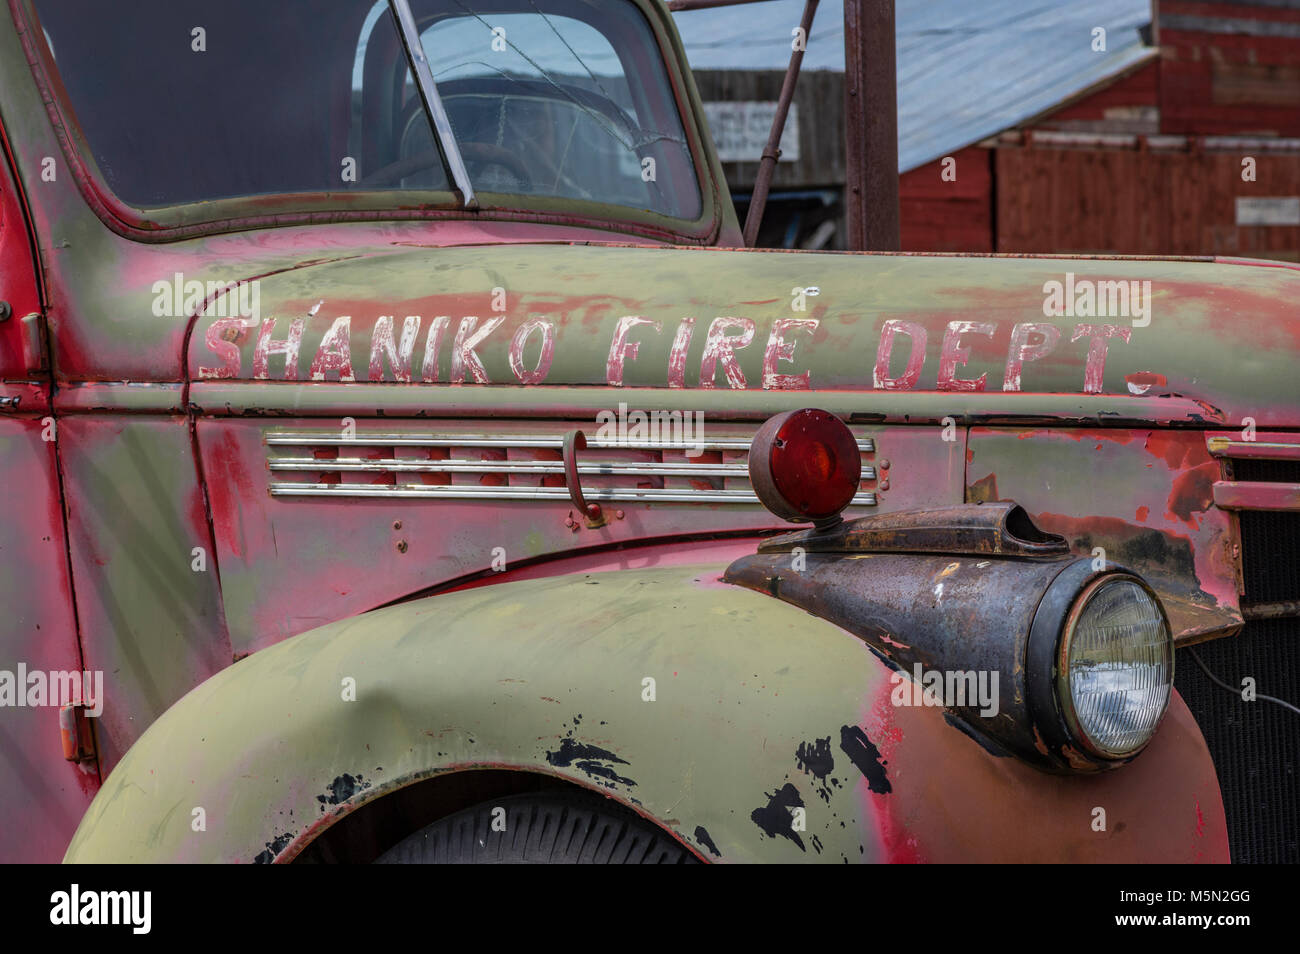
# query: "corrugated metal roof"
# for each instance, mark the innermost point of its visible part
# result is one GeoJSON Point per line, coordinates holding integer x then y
{"type": "Point", "coordinates": [967, 69]}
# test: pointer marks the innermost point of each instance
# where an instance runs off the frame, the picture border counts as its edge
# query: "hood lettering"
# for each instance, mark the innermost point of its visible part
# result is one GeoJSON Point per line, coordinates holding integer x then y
{"type": "Point", "coordinates": [901, 357]}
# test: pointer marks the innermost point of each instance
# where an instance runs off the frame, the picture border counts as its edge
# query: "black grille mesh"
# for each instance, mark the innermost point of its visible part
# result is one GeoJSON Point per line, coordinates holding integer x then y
{"type": "Point", "coordinates": [1255, 745]}
{"type": "Point", "coordinates": [1270, 541]}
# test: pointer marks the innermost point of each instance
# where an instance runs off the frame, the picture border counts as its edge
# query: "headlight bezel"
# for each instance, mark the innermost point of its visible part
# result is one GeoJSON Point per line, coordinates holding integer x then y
{"type": "Point", "coordinates": [1064, 691]}
{"type": "Point", "coordinates": [1047, 660]}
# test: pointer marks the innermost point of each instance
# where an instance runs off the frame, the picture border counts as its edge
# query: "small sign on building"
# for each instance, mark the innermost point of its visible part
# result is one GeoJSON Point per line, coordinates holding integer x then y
{"type": "Point", "coordinates": [1268, 211]}
{"type": "Point", "coordinates": [740, 130]}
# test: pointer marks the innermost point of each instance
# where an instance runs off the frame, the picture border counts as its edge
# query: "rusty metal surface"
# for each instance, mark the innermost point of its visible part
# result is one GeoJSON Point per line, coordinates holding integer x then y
{"type": "Point", "coordinates": [1280, 609]}
{"type": "Point", "coordinates": [1256, 495]}
{"type": "Point", "coordinates": [991, 528]}
{"type": "Point", "coordinates": [932, 612]}
{"type": "Point", "coordinates": [783, 710]}
{"type": "Point", "coordinates": [1153, 511]}
{"type": "Point", "coordinates": [1262, 447]}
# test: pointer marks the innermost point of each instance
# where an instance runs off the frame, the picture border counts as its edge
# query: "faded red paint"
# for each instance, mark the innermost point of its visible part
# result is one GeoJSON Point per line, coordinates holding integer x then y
{"type": "Point", "coordinates": [1192, 493]}
{"type": "Point", "coordinates": [1230, 495]}
{"type": "Point", "coordinates": [464, 353]}
{"type": "Point", "coordinates": [537, 374]}
{"type": "Point", "coordinates": [954, 354]}
{"type": "Point", "coordinates": [287, 571]}
{"type": "Point", "coordinates": [1098, 336]}
{"type": "Point", "coordinates": [915, 358]}
{"type": "Point", "coordinates": [1140, 382]}
{"type": "Point", "coordinates": [1023, 350]}
{"type": "Point", "coordinates": [881, 810]}
{"type": "Point", "coordinates": [335, 352]}
{"type": "Point", "coordinates": [1174, 449]}
{"type": "Point", "coordinates": [779, 349]}
{"type": "Point", "coordinates": [384, 347]}
{"type": "Point", "coordinates": [288, 347]}
{"type": "Point", "coordinates": [677, 356]}
{"type": "Point", "coordinates": [621, 350]}
{"type": "Point", "coordinates": [721, 347]}
{"type": "Point", "coordinates": [433, 347]}
{"type": "Point", "coordinates": [985, 815]}
{"type": "Point", "coordinates": [229, 486]}
{"type": "Point", "coordinates": [224, 337]}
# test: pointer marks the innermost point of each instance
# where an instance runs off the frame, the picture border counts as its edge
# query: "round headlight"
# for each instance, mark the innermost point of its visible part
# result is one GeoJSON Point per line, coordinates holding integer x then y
{"type": "Point", "coordinates": [1116, 667]}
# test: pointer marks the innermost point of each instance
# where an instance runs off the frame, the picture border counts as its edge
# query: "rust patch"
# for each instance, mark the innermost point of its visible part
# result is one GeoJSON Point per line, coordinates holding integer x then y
{"type": "Point", "coordinates": [1193, 493]}
{"type": "Point", "coordinates": [984, 490]}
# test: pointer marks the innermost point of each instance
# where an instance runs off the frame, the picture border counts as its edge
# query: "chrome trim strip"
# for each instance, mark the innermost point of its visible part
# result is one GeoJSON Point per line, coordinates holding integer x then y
{"type": "Point", "coordinates": [397, 465]}
{"type": "Point", "coordinates": [335, 439]}
{"type": "Point", "coordinates": [479, 492]}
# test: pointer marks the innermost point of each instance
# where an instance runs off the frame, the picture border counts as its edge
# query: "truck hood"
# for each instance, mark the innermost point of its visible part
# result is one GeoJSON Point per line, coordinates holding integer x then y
{"type": "Point", "coordinates": [1224, 336]}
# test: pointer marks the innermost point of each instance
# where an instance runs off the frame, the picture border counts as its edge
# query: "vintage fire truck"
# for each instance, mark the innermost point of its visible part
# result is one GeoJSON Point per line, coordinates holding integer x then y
{"type": "Point", "coordinates": [403, 462]}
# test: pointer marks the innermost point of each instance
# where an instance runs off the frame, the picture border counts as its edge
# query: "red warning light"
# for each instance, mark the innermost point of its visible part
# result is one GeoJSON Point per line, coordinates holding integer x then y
{"type": "Point", "coordinates": [805, 466]}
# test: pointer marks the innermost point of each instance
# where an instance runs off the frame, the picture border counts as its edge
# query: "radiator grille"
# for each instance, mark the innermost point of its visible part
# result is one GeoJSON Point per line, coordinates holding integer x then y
{"type": "Point", "coordinates": [527, 465]}
{"type": "Point", "coordinates": [1270, 549]}
{"type": "Point", "coordinates": [1256, 745]}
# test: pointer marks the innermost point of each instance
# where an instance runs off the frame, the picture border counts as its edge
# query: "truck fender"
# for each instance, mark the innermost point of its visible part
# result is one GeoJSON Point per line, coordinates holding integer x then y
{"type": "Point", "coordinates": [746, 728]}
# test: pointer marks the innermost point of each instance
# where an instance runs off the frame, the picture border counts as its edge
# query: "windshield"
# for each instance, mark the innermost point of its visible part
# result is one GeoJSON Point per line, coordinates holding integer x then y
{"type": "Point", "coordinates": [546, 98]}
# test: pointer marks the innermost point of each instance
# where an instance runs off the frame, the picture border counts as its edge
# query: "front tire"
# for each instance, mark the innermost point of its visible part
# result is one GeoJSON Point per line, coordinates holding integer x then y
{"type": "Point", "coordinates": [540, 829]}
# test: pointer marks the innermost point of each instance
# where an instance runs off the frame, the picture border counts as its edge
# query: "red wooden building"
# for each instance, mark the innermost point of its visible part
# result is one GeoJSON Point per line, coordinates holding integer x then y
{"type": "Point", "coordinates": [1194, 152]}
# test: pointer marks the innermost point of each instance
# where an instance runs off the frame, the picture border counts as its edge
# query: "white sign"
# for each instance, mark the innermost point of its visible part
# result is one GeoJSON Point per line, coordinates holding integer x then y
{"type": "Point", "coordinates": [740, 130]}
{"type": "Point", "coordinates": [1271, 211]}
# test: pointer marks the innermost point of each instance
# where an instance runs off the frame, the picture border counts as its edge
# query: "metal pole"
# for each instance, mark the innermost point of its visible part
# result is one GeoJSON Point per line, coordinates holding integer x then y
{"type": "Point", "coordinates": [870, 125]}
{"type": "Point", "coordinates": [767, 165]}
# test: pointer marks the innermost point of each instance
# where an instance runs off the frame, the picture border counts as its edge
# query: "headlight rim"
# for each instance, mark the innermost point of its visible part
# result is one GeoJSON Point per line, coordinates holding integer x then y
{"type": "Point", "coordinates": [1064, 696]}
{"type": "Point", "coordinates": [1055, 740]}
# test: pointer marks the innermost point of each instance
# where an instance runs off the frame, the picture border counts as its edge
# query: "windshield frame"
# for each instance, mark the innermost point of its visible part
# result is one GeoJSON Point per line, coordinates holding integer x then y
{"type": "Point", "coordinates": [176, 222]}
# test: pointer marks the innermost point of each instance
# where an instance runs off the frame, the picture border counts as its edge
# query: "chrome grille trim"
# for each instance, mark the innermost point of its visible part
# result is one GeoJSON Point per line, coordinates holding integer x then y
{"type": "Point", "coordinates": [334, 439]}
{"type": "Point", "coordinates": [471, 492]}
{"type": "Point", "coordinates": [595, 468]}
{"type": "Point", "coordinates": [519, 478]}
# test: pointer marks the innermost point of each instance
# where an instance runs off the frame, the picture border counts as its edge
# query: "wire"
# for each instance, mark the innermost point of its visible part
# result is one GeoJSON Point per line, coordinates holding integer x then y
{"type": "Point", "coordinates": [1237, 692]}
